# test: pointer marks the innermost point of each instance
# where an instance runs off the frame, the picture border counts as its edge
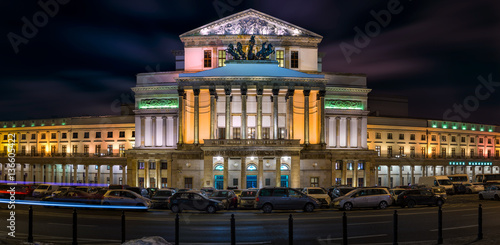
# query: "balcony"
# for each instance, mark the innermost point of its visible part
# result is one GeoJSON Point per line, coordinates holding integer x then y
{"type": "Point", "coordinates": [252, 142]}
{"type": "Point", "coordinates": [430, 156]}
{"type": "Point", "coordinates": [65, 155]}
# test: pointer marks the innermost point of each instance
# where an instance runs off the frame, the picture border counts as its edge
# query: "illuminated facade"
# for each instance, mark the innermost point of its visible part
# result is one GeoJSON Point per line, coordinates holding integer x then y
{"type": "Point", "coordinates": [219, 122]}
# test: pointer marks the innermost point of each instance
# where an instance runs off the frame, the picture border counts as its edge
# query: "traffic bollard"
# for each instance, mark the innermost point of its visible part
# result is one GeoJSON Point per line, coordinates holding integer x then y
{"type": "Point", "coordinates": [74, 227]}
{"type": "Point", "coordinates": [290, 230]}
{"type": "Point", "coordinates": [30, 225]}
{"type": "Point", "coordinates": [395, 230]}
{"type": "Point", "coordinates": [123, 226]}
{"type": "Point", "coordinates": [344, 229]}
{"type": "Point", "coordinates": [480, 223]}
{"type": "Point", "coordinates": [233, 232]}
{"type": "Point", "coordinates": [440, 226]}
{"type": "Point", "coordinates": [177, 229]}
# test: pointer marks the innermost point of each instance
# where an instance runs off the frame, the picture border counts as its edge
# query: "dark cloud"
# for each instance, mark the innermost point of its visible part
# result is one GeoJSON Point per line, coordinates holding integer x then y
{"type": "Point", "coordinates": [87, 56]}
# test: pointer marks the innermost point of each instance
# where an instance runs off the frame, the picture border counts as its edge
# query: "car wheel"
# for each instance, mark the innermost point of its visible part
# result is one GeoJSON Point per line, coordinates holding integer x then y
{"type": "Point", "coordinates": [497, 198]}
{"type": "Point", "coordinates": [267, 208]}
{"type": "Point", "coordinates": [481, 197]}
{"type": "Point", "coordinates": [411, 204]}
{"type": "Point", "coordinates": [348, 206]}
{"type": "Point", "coordinates": [382, 205]}
{"type": "Point", "coordinates": [439, 203]}
{"type": "Point", "coordinates": [175, 209]}
{"type": "Point", "coordinates": [309, 207]}
{"type": "Point", "coordinates": [211, 209]}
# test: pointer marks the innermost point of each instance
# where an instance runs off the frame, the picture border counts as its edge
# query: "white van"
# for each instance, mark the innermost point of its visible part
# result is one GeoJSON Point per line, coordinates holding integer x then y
{"type": "Point", "coordinates": [437, 181]}
{"type": "Point", "coordinates": [44, 190]}
{"type": "Point", "coordinates": [459, 179]}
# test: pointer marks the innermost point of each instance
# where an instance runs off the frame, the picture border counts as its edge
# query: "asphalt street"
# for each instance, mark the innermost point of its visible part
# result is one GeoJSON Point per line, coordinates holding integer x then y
{"type": "Point", "coordinates": [365, 226]}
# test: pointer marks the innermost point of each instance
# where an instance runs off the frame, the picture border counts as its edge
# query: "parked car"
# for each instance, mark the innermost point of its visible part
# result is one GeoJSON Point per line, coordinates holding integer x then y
{"type": "Point", "coordinates": [125, 197]}
{"type": "Point", "coordinates": [62, 189]}
{"type": "Point", "coordinates": [160, 198]}
{"type": "Point", "coordinates": [118, 187]}
{"type": "Point", "coordinates": [247, 198]}
{"type": "Point", "coordinates": [20, 191]}
{"type": "Point", "coordinates": [341, 190]}
{"type": "Point", "coordinates": [490, 192]}
{"type": "Point", "coordinates": [459, 189]}
{"type": "Point", "coordinates": [437, 181]}
{"type": "Point", "coordinates": [188, 200]}
{"type": "Point", "coordinates": [207, 190]}
{"type": "Point", "coordinates": [473, 188]}
{"type": "Point", "coordinates": [270, 198]}
{"type": "Point", "coordinates": [151, 191]}
{"type": "Point", "coordinates": [140, 191]}
{"type": "Point", "coordinates": [367, 197]}
{"type": "Point", "coordinates": [227, 197]}
{"type": "Point", "coordinates": [395, 193]}
{"type": "Point", "coordinates": [44, 190]}
{"type": "Point", "coordinates": [74, 196]}
{"type": "Point", "coordinates": [318, 193]}
{"type": "Point", "coordinates": [411, 198]}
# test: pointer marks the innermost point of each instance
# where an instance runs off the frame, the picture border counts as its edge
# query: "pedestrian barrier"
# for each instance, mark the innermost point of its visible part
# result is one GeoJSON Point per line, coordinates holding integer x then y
{"type": "Point", "coordinates": [290, 227]}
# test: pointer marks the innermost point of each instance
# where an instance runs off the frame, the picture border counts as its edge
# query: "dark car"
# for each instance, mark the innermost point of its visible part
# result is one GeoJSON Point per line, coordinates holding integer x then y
{"type": "Point", "coordinates": [20, 191]}
{"type": "Point", "coordinates": [341, 191]}
{"type": "Point", "coordinates": [118, 187]}
{"type": "Point", "coordinates": [151, 191]}
{"type": "Point", "coordinates": [139, 190]}
{"type": "Point", "coordinates": [227, 197]}
{"type": "Point", "coordinates": [271, 198]}
{"type": "Point", "coordinates": [193, 201]}
{"type": "Point", "coordinates": [413, 197]}
{"type": "Point", "coordinates": [160, 198]}
{"type": "Point", "coordinates": [73, 196]}
{"type": "Point", "coordinates": [247, 198]}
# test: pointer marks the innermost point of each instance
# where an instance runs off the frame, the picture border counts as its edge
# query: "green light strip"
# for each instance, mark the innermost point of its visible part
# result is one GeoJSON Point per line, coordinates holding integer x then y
{"type": "Point", "coordinates": [344, 104]}
{"type": "Point", "coordinates": [170, 103]}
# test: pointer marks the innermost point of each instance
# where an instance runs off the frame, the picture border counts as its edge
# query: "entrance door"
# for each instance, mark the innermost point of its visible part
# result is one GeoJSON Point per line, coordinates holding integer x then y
{"type": "Point", "coordinates": [219, 182]}
{"type": "Point", "coordinates": [251, 181]}
{"type": "Point", "coordinates": [284, 180]}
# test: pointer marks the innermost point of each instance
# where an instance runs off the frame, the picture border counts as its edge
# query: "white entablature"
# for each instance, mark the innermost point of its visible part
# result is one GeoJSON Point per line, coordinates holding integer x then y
{"type": "Point", "coordinates": [251, 22]}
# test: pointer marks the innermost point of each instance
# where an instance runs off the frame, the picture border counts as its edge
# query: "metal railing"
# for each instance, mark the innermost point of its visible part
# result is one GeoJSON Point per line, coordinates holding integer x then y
{"type": "Point", "coordinates": [253, 142]}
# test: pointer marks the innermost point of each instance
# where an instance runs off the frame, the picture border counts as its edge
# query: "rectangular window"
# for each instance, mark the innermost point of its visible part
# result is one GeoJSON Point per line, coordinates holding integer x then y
{"type": "Point", "coordinates": [164, 165]}
{"type": "Point", "coordinates": [489, 153]}
{"type": "Point", "coordinates": [338, 165]}
{"type": "Point", "coordinates": [412, 136]}
{"type": "Point", "coordinates": [75, 149]}
{"type": "Point", "coordinates": [23, 150]}
{"type": "Point", "coordinates": [64, 136]}
{"type": "Point", "coordinates": [480, 154]}
{"type": "Point", "coordinates": [389, 136]}
{"type": "Point", "coordinates": [378, 136]}
{"type": "Point", "coordinates": [471, 139]}
{"type": "Point", "coordinates": [463, 152]}
{"type": "Point", "coordinates": [222, 58]}
{"type": "Point", "coordinates": [236, 133]}
{"type": "Point", "coordinates": [251, 133]}
{"type": "Point", "coordinates": [33, 150]}
{"type": "Point", "coordinates": [489, 141]}
{"type": "Point", "coordinates": [207, 58]}
{"type": "Point", "coordinates": [122, 150]}
{"type": "Point", "coordinates": [188, 183]}
{"type": "Point", "coordinates": [43, 136]}
{"type": "Point", "coordinates": [463, 140]}
{"type": "Point", "coordinates": [367, 135]}
{"type": "Point", "coordinates": [349, 165]}
{"type": "Point", "coordinates": [422, 137]}
{"type": "Point", "coordinates": [63, 150]}
{"type": "Point", "coordinates": [221, 132]}
{"type": "Point", "coordinates": [294, 59]}
{"type": "Point", "coordinates": [497, 153]}
{"type": "Point", "coordinates": [164, 182]}
{"type": "Point", "coordinates": [389, 151]}
{"type": "Point", "coordinates": [122, 134]}
{"type": "Point", "coordinates": [433, 137]}
{"type": "Point", "coordinates": [133, 134]}
{"type": "Point", "coordinates": [378, 150]}
{"type": "Point", "coordinates": [110, 134]}
{"type": "Point", "coordinates": [480, 140]}
{"type": "Point", "coordinates": [97, 135]}
{"type": "Point", "coordinates": [471, 152]}
{"type": "Point", "coordinates": [314, 181]}
{"type": "Point", "coordinates": [453, 139]}
{"type": "Point", "coordinates": [266, 133]}
{"type": "Point", "coordinates": [152, 165]}
{"type": "Point", "coordinates": [443, 138]}
{"type": "Point", "coordinates": [497, 141]}
{"type": "Point", "coordinates": [423, 152]}
{"type": "Point", "coordinates": [53, 136]}
{"type": "Point", "coordinates": [401, 150]}
{"type": "Point", "coordinates": [268, 182]}
{"type": "Point", "coordinates": [107, 167]}
{"type": "Point", "coordinates": [140, 165]}
{"type": "Point", "coordinates": [23, 136]}
{"type": "Point", "coordinates": [443, 152]}
{"type": "Point", "coordinates": [282, 133]}
{"type": "Point", "coordinates": [361, 165]}
{"type": "Point", "coordinates": [110, 150]}
{"type": "Point", "coordinates": [412, 151]}
{"type": "Point", "coordinates": [86, 135]}
{"type": "Point", "coordinates": [453, 153]}
{"type": "Point", "coordinates": [235, 182]}
{"type": "Point", "coordinates": [75, 135]}
{"type": "Point", "coordinates": [280, 57]}
{"type": "Point", "coordinates": [33, 136]}
{"type": "Point", "coordinates": [401, 136]}
{"type": "Point", "coordinates": [98, 150]}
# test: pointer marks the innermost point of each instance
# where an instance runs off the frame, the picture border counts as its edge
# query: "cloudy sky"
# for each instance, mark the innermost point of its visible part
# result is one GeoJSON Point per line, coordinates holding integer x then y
{"type": "Point", "coordinates": [82, 59]}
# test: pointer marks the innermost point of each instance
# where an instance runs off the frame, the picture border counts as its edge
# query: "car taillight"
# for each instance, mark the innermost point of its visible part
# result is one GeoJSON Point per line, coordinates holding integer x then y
{"type": "Point", "coordinates": [404, 197]}
{"type": "Point", "coordinates": [257, 199]}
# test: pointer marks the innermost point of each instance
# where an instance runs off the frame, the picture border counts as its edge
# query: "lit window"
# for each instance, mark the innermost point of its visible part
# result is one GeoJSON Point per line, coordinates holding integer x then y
{"type": "Point", "coordinates": [280, 57]}
{"type": "Point", "coordinates": [389, 136]}
{"type": "Point", "coordinates": [110, 134]}
{"type": "Point", "coordinates": [207, 59]}
{"type": "Point", "coordinates": [222, 58]}
{"type": "Point", "coordinates": [294, 61]}
{"type": "Point", "coordinates": [314, 181]}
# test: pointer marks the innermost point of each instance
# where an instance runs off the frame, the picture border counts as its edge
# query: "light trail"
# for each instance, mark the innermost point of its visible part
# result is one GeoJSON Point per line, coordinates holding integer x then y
{"type": "Point", "coordinates": [71, 205]}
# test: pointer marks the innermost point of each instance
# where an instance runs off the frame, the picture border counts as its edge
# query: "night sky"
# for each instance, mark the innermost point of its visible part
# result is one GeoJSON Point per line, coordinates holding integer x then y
{"type": "Point", "coordinates": [84, 59]}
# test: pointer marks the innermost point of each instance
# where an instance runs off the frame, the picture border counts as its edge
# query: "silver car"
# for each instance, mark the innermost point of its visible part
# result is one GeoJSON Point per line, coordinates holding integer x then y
{"type": "Point", "coordinates": [268, 199]}
{"type": "Point", "coordinates": [125, 197]}
{"type": "Point", "coordinates": [364, 198]}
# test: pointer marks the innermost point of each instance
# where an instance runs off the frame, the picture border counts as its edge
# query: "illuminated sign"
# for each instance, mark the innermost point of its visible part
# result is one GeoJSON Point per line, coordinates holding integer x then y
{"type": "Point", "coordinates": [169, 103]}
{"type": "Point", "coordinates": [344, 104]}
{"type": "Point", "coordinates": [470, 163]}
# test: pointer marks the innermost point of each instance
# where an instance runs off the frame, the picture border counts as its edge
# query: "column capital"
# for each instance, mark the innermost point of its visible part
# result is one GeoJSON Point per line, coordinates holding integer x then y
{"type": "Point", "coordinates": [180, 91]}
{"type": "Point", "coordinates": [276, 91]}
{"type": "Point", "coordinates": [243, 89]}
{"type": "Point", "coordinates": [196, 91]}
{"type": "Point", "coordinates": [227, 89]}
{"type": "Point", "coordinates": [307, 92]}
{"type": "Point", "coordinates": [322, 93]}
{"type": "Point", "coordinates": [153, 117]}
{"type": "Point", "coordinates": [260, 90]}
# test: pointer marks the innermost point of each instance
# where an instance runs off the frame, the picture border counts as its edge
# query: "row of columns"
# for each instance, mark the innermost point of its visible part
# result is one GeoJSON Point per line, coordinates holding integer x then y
{"type": "Point", "coordinates": [149, 134]}
{"type": "Point", "coordinates": [346, 132]}
{"type": "Point", "coordinates": [259, 94]}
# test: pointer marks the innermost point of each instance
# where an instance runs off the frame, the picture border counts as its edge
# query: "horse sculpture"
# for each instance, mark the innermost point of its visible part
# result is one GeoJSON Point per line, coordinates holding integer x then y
{"type": "Point", "coordinates": [251, 43]}
{"type": "Point", "coordinates": [265, 52]}
{"type": "Point", "coordinates": [230, 49]}
{"type": "Point", "coordinates": [239, 49]}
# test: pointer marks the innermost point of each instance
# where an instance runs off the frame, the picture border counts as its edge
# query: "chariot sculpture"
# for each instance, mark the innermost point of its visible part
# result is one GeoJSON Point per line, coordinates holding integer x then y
{"type": "Point", "coordinates": [239, 54]}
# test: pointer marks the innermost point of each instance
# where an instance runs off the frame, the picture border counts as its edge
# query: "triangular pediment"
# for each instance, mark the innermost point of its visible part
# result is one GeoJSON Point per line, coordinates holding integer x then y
{"type": "Point", "coordinates": [250, 22]}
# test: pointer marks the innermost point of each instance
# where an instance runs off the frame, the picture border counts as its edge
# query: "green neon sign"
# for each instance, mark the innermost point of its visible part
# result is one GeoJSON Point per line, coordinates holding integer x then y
{"type": "Point", "coordinates": [344, 104]}
{"type": "Point", "coordinates": [159, 103]}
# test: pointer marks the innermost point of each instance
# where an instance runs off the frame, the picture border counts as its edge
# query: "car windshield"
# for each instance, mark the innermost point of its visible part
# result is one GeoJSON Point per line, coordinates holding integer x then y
{"type": "Point", "coordinates": [248, 193]}
{"type": "Point", "coordinates": [345, 191]}
{"type": "Point", "coordinates": [444, 182]}
{"type": "Point", "coordinates": [43, 187]}
{"type": "Point", "coordinates": [219, 194]}
{"type": "Point", "coordinates": [163, 194]}
{"type": "Point", "coordinates": [397, 192]}
{"type": "Point", "coordinates": [315, 191]}
{"type": "Point", "coordinates": [349, 193]}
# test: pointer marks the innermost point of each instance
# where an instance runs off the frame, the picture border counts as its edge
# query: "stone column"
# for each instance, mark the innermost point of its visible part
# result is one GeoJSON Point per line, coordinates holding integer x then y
{"type": "Point", "coordinates": [306, 116]}
{"type": "Point", "coordinates": [227, 92]}
{"type": "Point", "coordinates": [243, 173]}
{"type": "Point", "coordinates": [153, 131]}
{"type": "Point", "coordinates": [295, 171]}
{"type": "Point", "coordinates": [275, 97]}
{"type": "Point", "coordinates": [412, 169]}
{"type": "Point", "coordinates": [226, 172]}
{"type": "Point", "coordinates": [75, 173]}
{"type": "Point", "coordinates": [278, 171]}
{"type": "Point", "coordinates": [401, 175]}
{"type": "Point", "coordinates": [111, 174]}
{"type": "Point", "coordinates": [435, 171]}
{"type": "Point", "coordinates": [376, 174]}
{"type": "Point", "coordinates": [260, 173]}
{"type": "Point", "coordinates": [322, 133]}
{"type": "Point", "coordinates": [182, 95]}
{"type": "Point", "coordinates": [289, 115]}
{"type": "Point", "coordinates": [165, 134]}
{"type": "Point", "coordinates": [63, 180]}
{"type": "Point", "coordinates": [124, 174]}
{"type": "Point", "coordinates": [243, 112]}
{"type": "Point", "coordinates": [54, 168]}
{"type": "Point", "coordinates": [196, 92]}
{"type": "Point", "coordinates": [355, 174]}
{"type": "Point", "coordinates": [260, 91]}
{"type": "Point", "coordinates": [86, 179]}
{"type": "Point", "coordinates": [389, 183]}
{"type": "Point", "coordinates": [158, 173]}
{"type": "Point", "coordinates": [138, 133]}
{"type": "Point", "coordinates": [146, 173]}
{"type": "Point", "coordinates": [213, 112]}
{"type": "Point", "coordinates": [348, 132]}
{"type": "Point", "coordinates": [99, 174]}
{"type": "Point", "coordinates": [22, 171]}
{"type": "Point", "coordinates": [170, 173]}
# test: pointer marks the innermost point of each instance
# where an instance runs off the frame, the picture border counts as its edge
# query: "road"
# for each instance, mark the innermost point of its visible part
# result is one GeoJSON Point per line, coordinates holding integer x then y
{"type": "Point", "coordinates": [97, 226]}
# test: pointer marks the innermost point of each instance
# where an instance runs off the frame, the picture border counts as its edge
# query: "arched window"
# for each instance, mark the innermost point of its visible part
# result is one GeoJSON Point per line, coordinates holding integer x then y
{"type": "Point", "coordinates": [251, 167]}
{"type": "Point", "coordinates": [219, 167]}
{"type": "Point", "coordinates": [285, 167]}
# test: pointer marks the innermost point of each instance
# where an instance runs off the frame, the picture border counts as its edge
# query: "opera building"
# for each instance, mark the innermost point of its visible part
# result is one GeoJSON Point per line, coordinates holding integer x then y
{"type": "Point", "coordinates": [250, 115]}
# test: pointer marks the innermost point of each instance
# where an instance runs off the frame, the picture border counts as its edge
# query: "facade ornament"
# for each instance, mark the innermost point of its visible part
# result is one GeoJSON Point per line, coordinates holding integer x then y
{"type": "Point", "coordinates": [238, 54]}
{"type": "Point", "coordinates": [159, 103]}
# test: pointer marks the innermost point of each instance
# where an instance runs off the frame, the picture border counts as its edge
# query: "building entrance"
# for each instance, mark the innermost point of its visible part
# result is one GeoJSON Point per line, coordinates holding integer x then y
{"type": "Point", "coordinates": [284, 180]}
{"type": "Point", "coordinates": [251, 181]}
{"type": "Point", "coordinates": [219, 182]}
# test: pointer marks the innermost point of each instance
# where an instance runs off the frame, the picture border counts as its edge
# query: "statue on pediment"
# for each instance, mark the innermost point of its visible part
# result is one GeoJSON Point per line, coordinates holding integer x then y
{"type": "Point", "coordinates": [265, 52]}
{"type": "Point", "coordinates": [251, 43]}
{"type": "Point", "coordinates": [239, 49]}
{"type": "Point", "coordinates": [238, 53]}
{"type": "Point", "coordinates": [230, 50]}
